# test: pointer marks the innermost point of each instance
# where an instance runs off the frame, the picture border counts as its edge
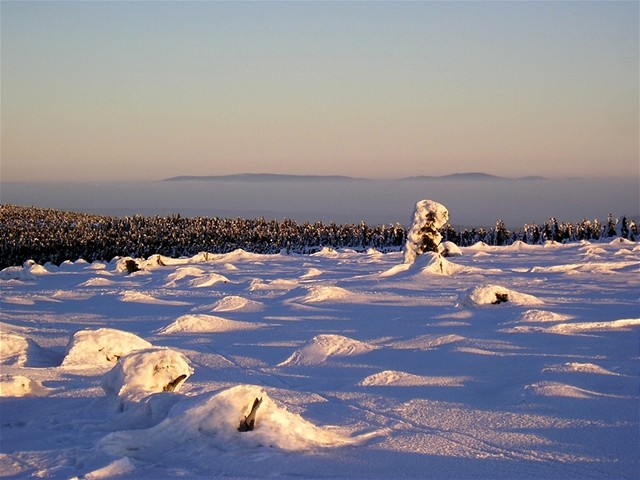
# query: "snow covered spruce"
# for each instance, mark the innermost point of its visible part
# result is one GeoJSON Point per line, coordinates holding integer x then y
{"type": "Point", "coordinates": [424, 236]}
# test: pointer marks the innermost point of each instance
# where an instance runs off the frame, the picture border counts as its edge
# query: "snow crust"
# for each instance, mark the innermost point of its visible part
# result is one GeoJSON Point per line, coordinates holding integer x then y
{"type": "Point", "coordinates": [367, 367]}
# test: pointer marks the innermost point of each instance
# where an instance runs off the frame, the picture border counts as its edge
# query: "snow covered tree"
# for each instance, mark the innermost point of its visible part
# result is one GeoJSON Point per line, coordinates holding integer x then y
{"type": "Point", "coordinates": [611, 226]}
{"type": "Point", "coordinates": [423, 236]}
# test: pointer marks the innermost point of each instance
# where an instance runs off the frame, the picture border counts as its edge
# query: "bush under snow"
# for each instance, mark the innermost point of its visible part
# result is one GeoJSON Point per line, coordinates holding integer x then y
{"type": "Point", "coordinates": [101, 348]}
{"type": "Point", "coordinates": [141, 373]}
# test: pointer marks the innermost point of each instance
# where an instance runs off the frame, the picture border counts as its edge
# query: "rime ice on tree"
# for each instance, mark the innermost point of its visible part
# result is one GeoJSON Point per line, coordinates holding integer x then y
{"type": "Point", "coordinates": [423, 236]}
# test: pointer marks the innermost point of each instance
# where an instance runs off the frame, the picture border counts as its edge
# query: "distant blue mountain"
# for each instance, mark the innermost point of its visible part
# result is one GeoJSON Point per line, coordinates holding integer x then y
{"type": "Point", "coordinates": [468, 176]}
{"type": "Point", "coordinates": [274, 177]}
{"type": "Point", "coordinates": [261, 177]}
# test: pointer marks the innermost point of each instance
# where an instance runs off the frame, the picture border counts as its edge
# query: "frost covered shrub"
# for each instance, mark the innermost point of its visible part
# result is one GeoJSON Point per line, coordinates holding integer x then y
{"type": "Point", "coordinates": [424, 236]}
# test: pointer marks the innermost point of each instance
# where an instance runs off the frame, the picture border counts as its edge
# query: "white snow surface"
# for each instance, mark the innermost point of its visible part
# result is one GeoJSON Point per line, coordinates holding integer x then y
{"type": "Point", "coordinates": [366, 367]}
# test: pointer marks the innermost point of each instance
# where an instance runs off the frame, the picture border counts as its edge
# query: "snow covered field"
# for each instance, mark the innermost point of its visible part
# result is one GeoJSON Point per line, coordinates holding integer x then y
{"type": "Point", "coordinates": [366, 368]}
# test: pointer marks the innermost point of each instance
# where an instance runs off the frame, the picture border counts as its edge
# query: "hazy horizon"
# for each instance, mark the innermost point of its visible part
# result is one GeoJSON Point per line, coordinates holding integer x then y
{"type": "Point", "coordinates": [471, 203]}
{"type": "Point", "coordinates": [119, 91]}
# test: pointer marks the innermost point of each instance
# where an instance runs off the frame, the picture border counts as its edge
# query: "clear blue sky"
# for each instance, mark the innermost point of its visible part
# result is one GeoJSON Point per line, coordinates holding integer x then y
{"type": "Point", "coordinates": [148, 90]}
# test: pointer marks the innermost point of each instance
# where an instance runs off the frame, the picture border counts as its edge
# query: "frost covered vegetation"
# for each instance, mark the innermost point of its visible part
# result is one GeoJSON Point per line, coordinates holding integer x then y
{"type": "Point", "coordinates": [47, 235]}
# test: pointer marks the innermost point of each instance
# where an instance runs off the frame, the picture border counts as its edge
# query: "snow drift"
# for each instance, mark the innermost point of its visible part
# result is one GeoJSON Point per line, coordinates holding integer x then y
{"type": "Point", "coordinates": [495, 295]}
{"type": "Point", "coordinates": [213, 420]}
{"type": "Point", "coordinates": [101, 348]}
{"type": "Point", "coordinates": [141, 373]}
{"type": "Point", "coordinates": [321, 347]}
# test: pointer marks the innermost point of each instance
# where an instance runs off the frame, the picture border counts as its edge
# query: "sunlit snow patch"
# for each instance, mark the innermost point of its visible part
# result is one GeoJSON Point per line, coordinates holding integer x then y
{"type": "Point", "coordinates": [208, 324]}
{"type": "Point", "coordinates": [312, 272]}
{"type": "Point", "coordinates": [212, 420]}
{"type": "Point", "coordinates": [392, 378]}
{"type": "Point", "coordinates": [139, 297]}
{"type": "Point", "coordinates": [277, 285]}
{"type": "Point", "coordinates": [557, 389]}
{"type": "Point", "coordinates": [20, 386]}
{"type": "Point", "coordinates": [147, 371]}
{"type": "Point", "coordinates": [122, 466]}
{"type": "Point", "coordinates": [326, 294]}
{"type": "Point", "coordinates": [101, 348]}
{"type": "Point", "coordinates": [540, 316]}
{"type": "Point", "coordinates": [234, 303]}
{"type": "Point", "coordinates": [625, 324]}
{"type": "Point", "coordinates": [577, 367]}
{"type": "Point", "coordinates": [194, 277]}
{"type": "Point", "coordinates": [321, 347]}
{"type": "Point", "coordinates": [13, 349]}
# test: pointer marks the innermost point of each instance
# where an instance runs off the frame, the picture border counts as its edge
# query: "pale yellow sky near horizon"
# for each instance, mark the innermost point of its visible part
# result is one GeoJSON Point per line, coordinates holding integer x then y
{"type": "Point", "coordinates": [148, 90]}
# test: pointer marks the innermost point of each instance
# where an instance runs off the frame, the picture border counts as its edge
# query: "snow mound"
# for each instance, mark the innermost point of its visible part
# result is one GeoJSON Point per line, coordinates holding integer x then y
{"type": "Point", "coordinates": [20, 386]}
{"type": "Point", "coordinates": [18, 351]}
{"type": "Point", "coordinates": [558, 389]}
{"type": "Point", "coordinates": [147, 371]}
{"type": "Point", "coordinates": [326, 294]}
{"type": "Point", "coordinates": [27, 272]}
{"type": "Point", "coordinates": [494, 294]}
{"type": "Point", "coordinates": [211, 420]}
{"type": "Point", "coordinates": [621, 240]}
{"type": "Point", "coordinates": [13, 349]}
{"type": "Point", "coordinates": [573, 328]}
{"type": "Point", "coordinates": [201, 278]}
{"type": "Point", "coordinates": [572, 367]}
{"type": "Point", "coordinates": [122, 466]}
{"type": "Point", "coordinates": [101, 348]}
{"type": "Point", "coordinates": [449, 249]}
{"type": "Point", "coordinates": [202, 323]}
{"type": "Point", "coordinates": [121, 264]}
{"type": "Point", "coordinates": [236, 256]}
{"type": "Point", "coordinates": [207, 280]}
{"type": "Point", "coordinates": [427, 342]}
{"type": "Point", "coordinates": [139, 297]}
{"type": "Point", "coordinates": [277, 285]}
{"type": "Point", "coordinates": [234, 303]}
{"type": "Point", "coordinates": [392, 378]}
{"type": "Point", "coordinates": [541, 316]}
{"type": "Point", "coordinates": [312, 272]}
{"type": "Point", "coordinates": [326, 252]}
{"type": "Point", "coordinates": [104, 282]}
{"type": "Point", "coordinates": [519, 246]}
{"type": "Point", "coordinates": [321, 347]}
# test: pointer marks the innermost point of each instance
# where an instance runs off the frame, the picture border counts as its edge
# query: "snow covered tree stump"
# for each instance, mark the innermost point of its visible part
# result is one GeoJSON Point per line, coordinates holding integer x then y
{"type": "Point", "coordinates": [423, 236]}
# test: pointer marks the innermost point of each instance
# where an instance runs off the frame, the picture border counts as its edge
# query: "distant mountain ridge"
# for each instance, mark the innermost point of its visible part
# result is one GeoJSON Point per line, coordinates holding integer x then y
{"type": "Point", "coordinates": [259, 177]}
{"type": "Point", "coordinates": [275, 177]}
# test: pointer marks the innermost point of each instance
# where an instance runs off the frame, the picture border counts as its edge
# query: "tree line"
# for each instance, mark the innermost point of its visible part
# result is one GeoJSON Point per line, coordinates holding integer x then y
{"type": "Point", "coordinates": [47, 235]}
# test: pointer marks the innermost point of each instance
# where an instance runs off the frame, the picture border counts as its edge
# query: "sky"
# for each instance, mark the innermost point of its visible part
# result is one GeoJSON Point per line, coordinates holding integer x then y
{"type": "Point", "coordinates": [95, 91]}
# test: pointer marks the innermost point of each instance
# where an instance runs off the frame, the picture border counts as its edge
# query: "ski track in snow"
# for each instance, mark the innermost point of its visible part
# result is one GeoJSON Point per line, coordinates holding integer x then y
{"type": "Point", "coordinates": [367, 368]}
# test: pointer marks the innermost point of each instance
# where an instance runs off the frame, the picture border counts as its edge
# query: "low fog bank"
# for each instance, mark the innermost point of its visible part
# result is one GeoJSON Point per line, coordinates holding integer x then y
{"type": "Point", "coordinates": [472, 203]}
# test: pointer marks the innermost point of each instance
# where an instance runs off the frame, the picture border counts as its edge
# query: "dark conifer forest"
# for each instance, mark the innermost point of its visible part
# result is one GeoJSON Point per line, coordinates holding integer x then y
{"type": "Point", "coordinates": [46, 235]}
